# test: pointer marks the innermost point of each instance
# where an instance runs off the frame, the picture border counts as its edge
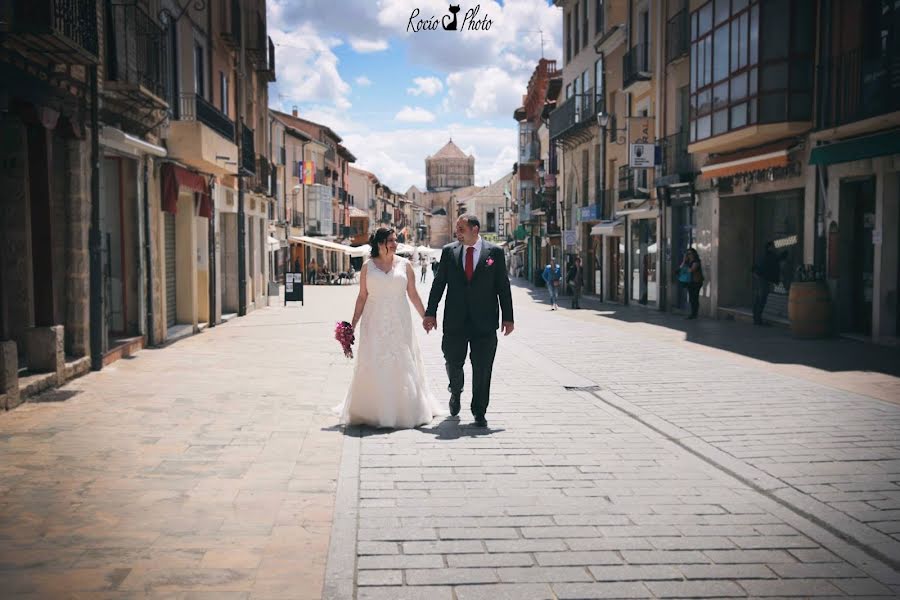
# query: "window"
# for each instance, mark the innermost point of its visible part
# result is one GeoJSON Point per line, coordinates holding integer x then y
{"type": "Point", "coordinates": [584, 24]}
{"type": "Point", "coordinates": [585, 166]}
{"type": "Point", "coordinates": [575, 45]}
{"type": "Point", "coordinates": [568, 37]}
{"type": "Point", "coordinates": [490, 222]}
{"type": "Point", "coordinates": [199, 75]}
{"type": "Point", "coordinates": [223, 92]}
{"type": "Point", "coordinates": [598, 82]}
{"type": "Point", "coordinates": [751, 62]}
{"type": "Point", "coordinates": [598, 17]}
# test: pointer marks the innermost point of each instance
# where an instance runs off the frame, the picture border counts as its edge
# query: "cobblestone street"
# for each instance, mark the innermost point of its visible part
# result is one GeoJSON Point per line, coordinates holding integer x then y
{"type": "Point", "coordinates": [624, 458]}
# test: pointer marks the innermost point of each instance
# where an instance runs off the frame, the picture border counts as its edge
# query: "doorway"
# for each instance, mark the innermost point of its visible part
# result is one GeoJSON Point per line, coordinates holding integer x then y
{"type": "Point", "coordinates": [857, 216]}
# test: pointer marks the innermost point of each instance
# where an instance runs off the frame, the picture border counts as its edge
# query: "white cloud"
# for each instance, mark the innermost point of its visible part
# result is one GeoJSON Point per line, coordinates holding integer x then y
{"type": "Point", "coordinates": [363, 81]}
{"type": "Point", "coordinates": [307, 68]}
{"type": "Point", "coordinates": [418, 114]}
{"type": "Point", "coordinates": [486, 92]}
{"type": "Point", "coordinates": [364, 46]}
{"type": "Point", "coordinates": [428, 86]}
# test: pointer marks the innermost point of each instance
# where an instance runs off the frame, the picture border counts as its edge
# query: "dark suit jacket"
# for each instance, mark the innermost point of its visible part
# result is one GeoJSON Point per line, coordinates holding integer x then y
{"type": "Point", "coordinates": [472, 307]}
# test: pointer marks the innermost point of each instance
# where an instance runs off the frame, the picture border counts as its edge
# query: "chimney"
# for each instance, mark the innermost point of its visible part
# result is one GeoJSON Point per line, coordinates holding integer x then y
{"type": "Point", "coordinates": [294, 110]}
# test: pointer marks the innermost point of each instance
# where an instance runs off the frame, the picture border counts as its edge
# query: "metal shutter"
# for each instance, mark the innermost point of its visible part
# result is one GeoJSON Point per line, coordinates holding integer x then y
{"type": "Point", "coordinates": [170, 269]}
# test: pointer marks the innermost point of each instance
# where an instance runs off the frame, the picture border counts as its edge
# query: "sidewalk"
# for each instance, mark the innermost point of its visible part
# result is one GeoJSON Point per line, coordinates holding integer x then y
{"type": "Point", "coordinates": [846, 364]}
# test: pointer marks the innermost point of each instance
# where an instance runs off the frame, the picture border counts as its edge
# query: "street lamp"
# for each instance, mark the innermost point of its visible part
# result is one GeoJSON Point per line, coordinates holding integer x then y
{"type": "Point", "coordinates": [604, 120]}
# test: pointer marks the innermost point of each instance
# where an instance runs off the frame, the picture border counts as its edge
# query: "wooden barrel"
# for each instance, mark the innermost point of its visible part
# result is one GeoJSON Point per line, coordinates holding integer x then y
{"type": "Point", "coordinates": [810, 309]}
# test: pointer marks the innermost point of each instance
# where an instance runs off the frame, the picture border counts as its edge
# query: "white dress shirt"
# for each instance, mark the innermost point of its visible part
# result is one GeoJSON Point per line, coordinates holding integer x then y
{"type": "Point", "coordinates": [475, 254]}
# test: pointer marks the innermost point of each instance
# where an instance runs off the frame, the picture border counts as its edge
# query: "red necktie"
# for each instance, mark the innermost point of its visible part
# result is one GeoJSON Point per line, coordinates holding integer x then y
{"type": "Point", "coordinates": [470, 262]}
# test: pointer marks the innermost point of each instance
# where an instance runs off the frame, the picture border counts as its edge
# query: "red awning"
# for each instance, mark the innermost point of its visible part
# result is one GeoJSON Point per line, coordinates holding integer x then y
{"type": "Point", "coordinates": [175, 177]}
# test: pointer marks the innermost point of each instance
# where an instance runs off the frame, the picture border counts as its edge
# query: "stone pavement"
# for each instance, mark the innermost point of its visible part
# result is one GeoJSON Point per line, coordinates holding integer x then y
{"type": "Point", "coordinates": [205, 469]}
{"type": "Point", "coordinates": [621, 465]}
{"type": "Point", "coordinates": [623, 459]}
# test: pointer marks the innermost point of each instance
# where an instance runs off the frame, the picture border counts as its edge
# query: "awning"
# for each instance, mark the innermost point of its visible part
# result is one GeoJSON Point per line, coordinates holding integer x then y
{"type": "Point", "coordinates": [129, 144]}
{"type": "Point", "coordinates": [880, 144]}
{"type": "Point", "coordinates": [323, 244]}
{"type": "Point", "coordinates": [609, 228]}
{"type": "Point", "coordinates": [174, 177]}
{"type": "Point", "coordinates": [766, 157]}
{"type": "Point", "coordinates": [273, 243]}
{"type": "Point", "coordinates": [358, 213]}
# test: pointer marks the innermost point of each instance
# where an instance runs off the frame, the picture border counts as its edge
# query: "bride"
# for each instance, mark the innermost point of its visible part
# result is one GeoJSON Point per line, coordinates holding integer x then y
{"type": "Point", "coordinates": [389, 388]}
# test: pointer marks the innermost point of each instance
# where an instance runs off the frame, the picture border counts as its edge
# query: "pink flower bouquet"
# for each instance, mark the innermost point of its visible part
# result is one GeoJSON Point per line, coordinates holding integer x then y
{"type": "Point", "coordinates": [343, 333]}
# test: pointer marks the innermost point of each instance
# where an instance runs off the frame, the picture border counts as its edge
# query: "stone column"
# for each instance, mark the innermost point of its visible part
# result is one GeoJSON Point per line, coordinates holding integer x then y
{"type": "Point", "coordinates": [15, 229]}
{"type": "Point", "coordinates": [9, 376]}
{"type": "Point", "coordinates": [78, 217]}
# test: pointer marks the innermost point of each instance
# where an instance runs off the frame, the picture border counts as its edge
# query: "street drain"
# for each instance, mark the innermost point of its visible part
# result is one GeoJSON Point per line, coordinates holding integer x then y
{"type": "Point", "coordinates": [584, 388]}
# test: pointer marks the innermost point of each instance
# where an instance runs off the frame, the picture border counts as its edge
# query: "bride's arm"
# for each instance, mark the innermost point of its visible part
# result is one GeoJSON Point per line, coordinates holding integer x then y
{"type": "Point", "coordinates": [412, 292]}
{"type": "Point", "coordinates": [361, 298]}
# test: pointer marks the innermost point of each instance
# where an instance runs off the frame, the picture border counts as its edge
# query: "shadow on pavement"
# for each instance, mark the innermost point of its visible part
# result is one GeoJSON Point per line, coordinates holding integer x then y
{"type": "Point", "coordinates": [769, 344]}
{"type": "Point", "coordinates": [449, 429]}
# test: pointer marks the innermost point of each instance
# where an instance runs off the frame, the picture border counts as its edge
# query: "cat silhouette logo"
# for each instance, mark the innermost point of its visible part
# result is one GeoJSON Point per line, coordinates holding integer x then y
{"type": "Point", "coordinates": [472, 20]}
{"type": "Point", "coordinates": [451, 26]}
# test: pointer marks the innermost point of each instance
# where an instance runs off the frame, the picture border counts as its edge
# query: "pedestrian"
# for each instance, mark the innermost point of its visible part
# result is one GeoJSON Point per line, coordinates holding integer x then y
{"type": "Point", "coordinates": [424, 268]}
{"type": "Point", "coordinates": [690, 275]}
{"type": "Point", "coordinates": [766, 273]}
{"type": "Point", "coordinates": [313, 270]}
{"type": "Point", "coordinates": [552, 275]}
{"type": "Point", "coordinates": [575, 277]}
{"type": "Point", "coordinates": [434, 266]}
{"type": "Point", "coordinates": [296, 265]}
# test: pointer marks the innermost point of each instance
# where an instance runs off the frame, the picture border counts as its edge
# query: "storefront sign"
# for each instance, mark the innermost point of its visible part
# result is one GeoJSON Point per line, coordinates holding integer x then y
{"type": "Point", "coordinates": [642, 156]}
{"type": "Point", "coordinates": [569, 237]}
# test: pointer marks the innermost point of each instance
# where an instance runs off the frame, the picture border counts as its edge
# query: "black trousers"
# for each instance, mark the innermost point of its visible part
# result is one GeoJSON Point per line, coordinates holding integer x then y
{"type": "Point", "coordinates": [761, 289]}
{"type": "Point", "coordinates": [693, 289]}
{"type": "Point", "coordinates": [481, 349]}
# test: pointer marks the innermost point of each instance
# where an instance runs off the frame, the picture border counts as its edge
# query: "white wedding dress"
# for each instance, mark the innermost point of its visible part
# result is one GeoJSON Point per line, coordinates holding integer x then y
{"type": "Point", "coordinates": [389, 387]}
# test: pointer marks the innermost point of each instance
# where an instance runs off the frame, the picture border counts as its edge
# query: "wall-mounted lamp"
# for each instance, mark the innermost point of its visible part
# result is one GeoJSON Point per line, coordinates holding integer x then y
{"type": "Point", "coordinates": [607, 123]}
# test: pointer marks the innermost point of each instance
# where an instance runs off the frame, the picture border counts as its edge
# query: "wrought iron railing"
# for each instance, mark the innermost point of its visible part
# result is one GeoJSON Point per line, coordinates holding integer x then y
{"type": "Point", "coordinates": [578, 110]}
{"type": "Point", "coordinates": [628, 186]}
{"type": "Point", "coordinates": [65, 28]}
{"type": "Point", "coordinates": [675, 156]}
{"type": "Point", "coordinates": [678, 39]}
{"type": "Point", "coordinates": [636, 65]}
{"type": "Point", "coordinates": [136, 49]}
{"type": "Point", "coordinates": [248, 154]}
{"type": "Point", "coordinates": [195, 108]}
{"type": "Point", "coordinates": [860, 87]}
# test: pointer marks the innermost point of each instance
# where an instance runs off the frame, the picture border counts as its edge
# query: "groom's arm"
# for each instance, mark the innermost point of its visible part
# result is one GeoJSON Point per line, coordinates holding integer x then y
{"type": "Point", "coordinates": [504, 294]}
{"type": "Point", "coordinates": [440, 282]}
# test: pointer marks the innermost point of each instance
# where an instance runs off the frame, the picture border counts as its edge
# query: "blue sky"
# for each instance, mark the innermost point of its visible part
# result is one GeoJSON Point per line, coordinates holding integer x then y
{"type": "Point", "coordinates": [396, 96]}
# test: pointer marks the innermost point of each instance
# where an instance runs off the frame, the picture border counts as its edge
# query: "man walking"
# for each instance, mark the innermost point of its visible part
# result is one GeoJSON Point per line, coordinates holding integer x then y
{"type": "Point", "coordinates": [766, 273]}
{"type": "Point", "coordinates": [575, 277]}
{"type": "Point", "coordinates": [474, 273]}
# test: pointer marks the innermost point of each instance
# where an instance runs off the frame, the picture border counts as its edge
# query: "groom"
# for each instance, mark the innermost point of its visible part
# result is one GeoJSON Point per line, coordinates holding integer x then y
{"type": "Point", "coordinates": [474, 273]}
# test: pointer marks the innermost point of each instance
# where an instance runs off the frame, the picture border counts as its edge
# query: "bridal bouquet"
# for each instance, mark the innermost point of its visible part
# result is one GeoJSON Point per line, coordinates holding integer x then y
{"type": "Point", "coordinates": [344, 334]}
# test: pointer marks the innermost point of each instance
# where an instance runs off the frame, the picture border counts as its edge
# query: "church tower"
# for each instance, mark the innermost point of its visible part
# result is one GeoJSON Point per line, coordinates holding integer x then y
{"type": "Point", "coordinates": [449, 169]}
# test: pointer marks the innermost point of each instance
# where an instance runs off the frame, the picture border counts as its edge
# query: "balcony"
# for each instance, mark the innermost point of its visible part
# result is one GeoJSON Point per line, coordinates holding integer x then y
{"type": "Point", "coordinates": [676, 165]}
{"type": "Point", "coordinates": [629, 187]}
{"type": "Point", "coordinates": [678, 39]}
{"type": "Point", "coordinates": [248, 155]}
{"type": "Point", "coordinates": [136, 60]}
{"type": "Point", "coordinates": [64, 30]}
{"type": "Point", "coordinates": [575, 115]}
{"type": "Point", "coordinates": [530, 152]}
{"type": "Point", "coordinates": [636, 66]}
{"type": "Point", "coordinates": [203, 137]}
{"type": "Point", "coordinates": [861, 87]}
{"type": "Point", "coordinates": [266, 66]}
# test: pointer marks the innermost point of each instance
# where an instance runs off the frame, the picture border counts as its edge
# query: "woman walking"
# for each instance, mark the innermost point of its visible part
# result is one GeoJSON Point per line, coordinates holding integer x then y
{"type": "Point", "coordinates": [575, 277]}
{"type": "Point", "coordinates": [690, 274]}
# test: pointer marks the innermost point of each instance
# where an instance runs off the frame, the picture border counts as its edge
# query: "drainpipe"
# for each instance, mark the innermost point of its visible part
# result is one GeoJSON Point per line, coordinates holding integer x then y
{"type": "Point", "coordinates": [94, 240]}
{"type": "Point", "coordinates": [212, 255]}
{"type": "Point", "coordinates": [241, 216]}
{"type": "Point", "coordinates": [148, 256]}
{"type": "Point", "coordinates": [662, 277]}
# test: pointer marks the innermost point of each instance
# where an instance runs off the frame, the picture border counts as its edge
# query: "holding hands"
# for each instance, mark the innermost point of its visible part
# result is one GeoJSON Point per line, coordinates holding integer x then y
{"type": "Point", "coordinates": [429, 323]}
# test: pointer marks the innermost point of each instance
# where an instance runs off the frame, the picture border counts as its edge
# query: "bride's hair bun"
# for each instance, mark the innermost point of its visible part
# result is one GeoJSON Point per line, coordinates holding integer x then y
{"type": "Point", "coordinates": [379, 237]}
